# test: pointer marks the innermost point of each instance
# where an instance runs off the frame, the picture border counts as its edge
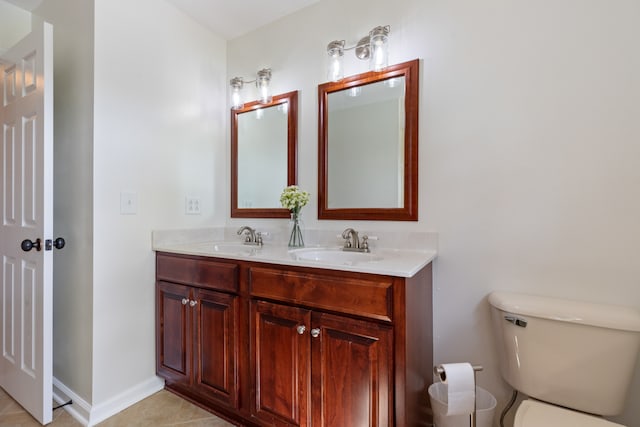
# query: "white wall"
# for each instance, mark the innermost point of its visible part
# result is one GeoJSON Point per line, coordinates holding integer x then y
{"type": "Point", "coordinates": [159, 131]}
{"type": "Point", "coordinates": [73, 190]}
{"type": "Point", "coordinates": [142, 110]}
{"type": "Point", "coordinates": [529, 153]}
{"type": "Point", "coordinates": [150, 119]}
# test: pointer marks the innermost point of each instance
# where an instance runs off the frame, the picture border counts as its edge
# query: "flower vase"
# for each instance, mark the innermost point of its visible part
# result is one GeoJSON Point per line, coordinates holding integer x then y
{"type": "Point", "coordinates": [295, 239]}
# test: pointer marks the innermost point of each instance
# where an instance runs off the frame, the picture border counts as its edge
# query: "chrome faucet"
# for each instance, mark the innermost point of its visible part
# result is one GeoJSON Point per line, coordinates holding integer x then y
{"type": "Point", "coordinates": [251, 236]}
{"type": "Point", "coordinates": [352, 241]}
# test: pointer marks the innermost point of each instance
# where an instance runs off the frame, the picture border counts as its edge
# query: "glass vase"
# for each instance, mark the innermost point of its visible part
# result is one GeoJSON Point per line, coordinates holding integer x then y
{"type": "Point", "coordinates": [295, 239]}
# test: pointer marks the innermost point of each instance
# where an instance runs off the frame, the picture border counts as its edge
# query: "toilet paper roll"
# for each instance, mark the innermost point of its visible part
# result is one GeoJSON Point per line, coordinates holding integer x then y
{"type": "Point", "coordinates": [461, 389]}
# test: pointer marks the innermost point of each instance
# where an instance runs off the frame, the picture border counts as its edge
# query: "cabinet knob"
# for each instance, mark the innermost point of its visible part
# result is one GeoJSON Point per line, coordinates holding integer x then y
{"type": "Point", "coordinates": [185, 301]}
{"type": "Point", "coordinates": [315, 332]}
{"type": "Point", "coordinates": [192, 303]}
{"type": "Point", "coordinates": [301, 329]}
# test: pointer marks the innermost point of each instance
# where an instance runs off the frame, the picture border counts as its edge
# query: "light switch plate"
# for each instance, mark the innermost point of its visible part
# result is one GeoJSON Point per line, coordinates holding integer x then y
{"type": "Point", "coordinates": [128, 203]}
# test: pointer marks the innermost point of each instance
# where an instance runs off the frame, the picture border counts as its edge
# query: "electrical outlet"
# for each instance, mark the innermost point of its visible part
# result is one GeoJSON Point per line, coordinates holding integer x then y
{"type": "Point", "coordinates": [192, 206]}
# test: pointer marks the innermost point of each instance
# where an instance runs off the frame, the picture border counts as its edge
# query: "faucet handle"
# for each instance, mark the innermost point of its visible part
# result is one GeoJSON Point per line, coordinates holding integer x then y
{"type": "Point", "coordinates": [346, 237]}
{"type": "Point", "coordinates": [365, 243]}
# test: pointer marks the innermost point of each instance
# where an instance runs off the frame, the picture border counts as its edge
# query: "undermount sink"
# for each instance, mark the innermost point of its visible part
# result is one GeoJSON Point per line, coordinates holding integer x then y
{"type": "Point", "coordinates": [335, 256]}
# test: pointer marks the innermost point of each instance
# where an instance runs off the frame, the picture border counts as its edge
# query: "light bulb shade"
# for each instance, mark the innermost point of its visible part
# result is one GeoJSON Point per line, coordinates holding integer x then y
{"type": "Point", "coordinates": [335, 70]}
{"type": "Point", "coordinates": [379, 45]}
{"type": "Point", "coordinates": [236, 95]}
{"type": "Point", "coordinates": [263, 84]}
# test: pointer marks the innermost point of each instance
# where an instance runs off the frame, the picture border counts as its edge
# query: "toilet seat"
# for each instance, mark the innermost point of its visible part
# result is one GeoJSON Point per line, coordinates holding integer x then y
{"type": "Point", "coordinates": [532, 413]}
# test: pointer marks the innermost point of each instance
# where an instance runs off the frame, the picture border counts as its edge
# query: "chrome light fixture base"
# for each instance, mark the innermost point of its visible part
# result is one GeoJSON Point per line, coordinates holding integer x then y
{"type": "Point", "coordinates": [363, 49]}
{"type": "Point", "coordinates": [372, 47]}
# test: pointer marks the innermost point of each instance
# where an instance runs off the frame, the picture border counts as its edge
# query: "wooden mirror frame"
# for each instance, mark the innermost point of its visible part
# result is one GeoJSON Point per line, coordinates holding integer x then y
{"type": "Point", "coordinates": [409, 212]}
{"type": "Point", "coordinates": [292, 143]}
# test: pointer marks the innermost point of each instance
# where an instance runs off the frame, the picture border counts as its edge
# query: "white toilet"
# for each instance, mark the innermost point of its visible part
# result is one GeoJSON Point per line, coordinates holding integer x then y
{"type": "Point", "coordinates": [571, 358]}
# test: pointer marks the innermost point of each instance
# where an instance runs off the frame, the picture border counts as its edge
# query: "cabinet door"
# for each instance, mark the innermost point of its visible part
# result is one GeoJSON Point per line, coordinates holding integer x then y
{"type": "Point", "coordinates": [173, 332]}
{"type": "Point", "coordinates": [215, 355]}
{"type": "Point", "coordinates": [352, 382]}
{"type": "Point", "coordinates": [280, 364]}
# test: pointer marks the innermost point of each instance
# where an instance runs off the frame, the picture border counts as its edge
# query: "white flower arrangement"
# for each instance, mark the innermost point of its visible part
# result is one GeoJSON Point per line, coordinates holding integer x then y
{"type": "Point", "coordinates": [294, 199]}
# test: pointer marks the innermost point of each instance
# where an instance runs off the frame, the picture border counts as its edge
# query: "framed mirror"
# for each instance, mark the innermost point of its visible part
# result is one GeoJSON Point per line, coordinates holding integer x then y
{"type": "Point", "coordinates": [263, 156]}
{"type": "Point", "coordinates": [368, 145]}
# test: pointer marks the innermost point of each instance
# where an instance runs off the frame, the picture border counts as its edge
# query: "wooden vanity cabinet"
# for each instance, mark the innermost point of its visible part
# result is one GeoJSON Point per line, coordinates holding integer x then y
{"type": "Point", "coordinates": [314, 368]}
{"type": "Point", "coordinates": [309, 347]}
{"type": "Point", "coordinates": [281, 367]}
{"type": "Point", "coordinates": [197, 332]}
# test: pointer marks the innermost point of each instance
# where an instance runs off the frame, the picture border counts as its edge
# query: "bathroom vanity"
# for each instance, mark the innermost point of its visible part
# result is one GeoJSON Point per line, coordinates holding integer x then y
{"type": "Point", "coordinates": [263, 339]}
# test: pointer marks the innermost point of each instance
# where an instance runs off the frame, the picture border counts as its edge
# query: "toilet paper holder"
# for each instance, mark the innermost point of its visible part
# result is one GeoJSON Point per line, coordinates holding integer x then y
{"type": "Point", "coordinates": [440, 373]}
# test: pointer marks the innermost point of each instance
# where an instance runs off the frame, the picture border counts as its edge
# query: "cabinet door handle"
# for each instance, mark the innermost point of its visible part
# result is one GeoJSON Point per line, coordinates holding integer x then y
{"type": "Point", "coordinates": [185, 301]}
{"type": "Point", "coordinates": [301, 329]}
{"type": "Point", "coordinates": [315, 332]}
{"type": "Point", "coordinates": [193, 303]}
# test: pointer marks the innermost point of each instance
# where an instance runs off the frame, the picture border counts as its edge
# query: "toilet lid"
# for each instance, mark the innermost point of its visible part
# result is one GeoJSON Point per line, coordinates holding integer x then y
{"type": "Point", "coordinates": [532, 413]}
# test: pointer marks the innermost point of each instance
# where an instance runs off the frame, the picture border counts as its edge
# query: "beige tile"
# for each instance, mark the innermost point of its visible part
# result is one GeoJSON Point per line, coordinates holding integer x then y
{"type": "Point", "coordinates": [62, 418]}
{"type": "Point", "coordinates": [159, 409]}
{"type": "Point", "coordinates": [18, 419]}
{"type": "Point", "coordinates": [162, 409]}
{"type": "Point", "coordinates": [9, 406]}
{"type": "Point", "coordinates": [207, 422]}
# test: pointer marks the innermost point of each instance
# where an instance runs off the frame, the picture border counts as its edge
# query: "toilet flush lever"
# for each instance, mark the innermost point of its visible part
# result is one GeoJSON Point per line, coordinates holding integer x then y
{"type": "Point", "coordinates": [516, 321]}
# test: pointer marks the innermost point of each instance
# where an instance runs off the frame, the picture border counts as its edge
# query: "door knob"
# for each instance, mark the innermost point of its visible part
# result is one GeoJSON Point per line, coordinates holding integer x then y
{"type": "Point", "coordinates": [193, 303]}
{"type": "Point", "coordinates": [185, 301]}
{"type": "Point", "coordinates": [300, 329]}
{"type": "Point", "coordinates": [59, 243]}
{"type": "Point", "coordinates": [50, 244]}
{"type": "Point", "coordinates": [27, 245]}
{"type": "Point", "coordinates": [315, 332]}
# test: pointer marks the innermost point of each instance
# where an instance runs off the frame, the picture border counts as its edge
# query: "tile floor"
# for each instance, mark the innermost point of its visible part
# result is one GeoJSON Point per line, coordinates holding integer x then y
{"type": "Point", "coordinates": [161, 409]}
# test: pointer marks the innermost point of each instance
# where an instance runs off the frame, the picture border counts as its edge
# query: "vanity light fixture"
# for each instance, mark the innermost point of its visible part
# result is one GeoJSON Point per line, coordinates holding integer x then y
{"type": "Point", "coordinates": [262, 81]}
{"type": "Point", "coordinates": [379, 48]}
{"type": "Point", "coordinates": [374, 47]}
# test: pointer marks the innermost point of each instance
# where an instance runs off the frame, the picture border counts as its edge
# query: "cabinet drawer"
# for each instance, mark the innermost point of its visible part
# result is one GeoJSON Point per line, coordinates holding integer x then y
{"type": "Point", "coordinates": [207, 274]}
{"type": "Point", "coordinates": [361, 297]}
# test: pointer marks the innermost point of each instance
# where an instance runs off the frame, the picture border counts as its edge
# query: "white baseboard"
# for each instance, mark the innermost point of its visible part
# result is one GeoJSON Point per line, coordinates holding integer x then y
{"type": "Point", "coordinates": [89, 415]}
{"type": "Point", "coordinates": [80, 409]}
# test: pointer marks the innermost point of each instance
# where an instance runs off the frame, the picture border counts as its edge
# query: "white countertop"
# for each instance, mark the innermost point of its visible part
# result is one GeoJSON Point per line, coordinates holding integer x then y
{"type": "Point", "coordinates": [391, 262]}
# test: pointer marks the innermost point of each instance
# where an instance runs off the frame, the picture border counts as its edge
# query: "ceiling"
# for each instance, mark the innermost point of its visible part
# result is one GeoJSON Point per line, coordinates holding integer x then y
{"type": "Point", "coordinates": [226, 18]}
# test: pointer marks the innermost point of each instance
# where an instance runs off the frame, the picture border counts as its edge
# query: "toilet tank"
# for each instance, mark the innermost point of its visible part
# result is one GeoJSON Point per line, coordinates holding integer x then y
{"type": "Point", "coordinates": [575, 354]}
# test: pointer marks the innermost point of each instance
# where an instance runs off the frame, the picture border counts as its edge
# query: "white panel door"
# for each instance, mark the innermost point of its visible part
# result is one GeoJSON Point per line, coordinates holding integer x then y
{"type": "Point", "coordinates": [26, 185]}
